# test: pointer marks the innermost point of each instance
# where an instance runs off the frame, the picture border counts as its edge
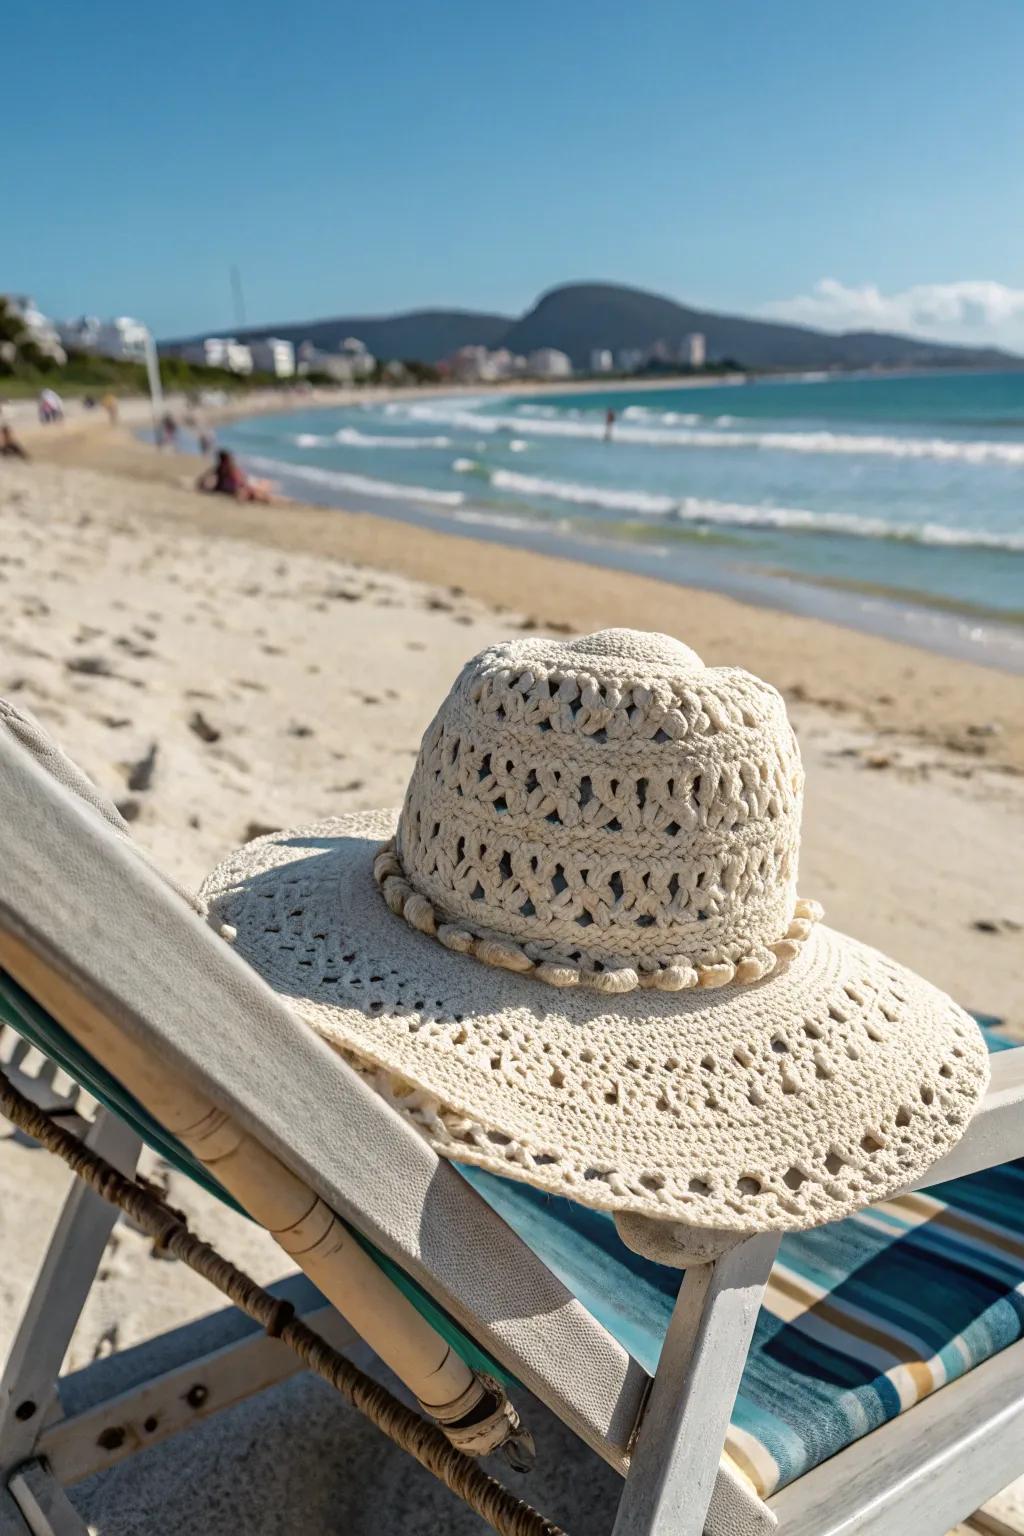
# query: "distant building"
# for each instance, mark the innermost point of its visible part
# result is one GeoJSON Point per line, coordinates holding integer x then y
{"type": "Point", "coordinates": [601, 360]}
{"type": "Point", "coordinates": [661, 353]}
{"type": "Point", "coordinates": [693, 351]}
{"type": "Point", "coordinates": [479, 365]}
{"type": "Point", "coordinates": [502, 363]}
{"type": "Point", "coordinates": [219, 352]}
{"type": "Point", "coordinates": [351, 362]}
{"type": "Point", "coordinates": [122, 338]}
{"type": "Point", "coordinates": [472, 365]}
{"type": "Point", "coordinates": [549, 363]}
{"type": "Point", "coordinates": [630, 359]}
{"type": "Point", "coordinates": [270, 354]}
{"type": "Point", "coordinates": [239, 355]}
{"type": "Point", "coordinates": [310, 359]}
{"type": "Point", "coordinates": [362, 360]}
{"type": "Point", "coordinates": [38, 328]}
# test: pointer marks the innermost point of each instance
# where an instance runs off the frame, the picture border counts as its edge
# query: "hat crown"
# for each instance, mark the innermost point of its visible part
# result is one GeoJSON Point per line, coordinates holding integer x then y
{"type": "Point", "coordinates": [608, 802]}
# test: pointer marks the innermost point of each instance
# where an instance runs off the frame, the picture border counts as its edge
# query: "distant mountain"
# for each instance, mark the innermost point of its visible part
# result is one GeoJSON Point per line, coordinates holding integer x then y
{"type": "Point", "coordinates": [424, 334]}
{"type": "Point", "coordinates": [582, 316]}
{"type": "Point", "coordinates": [578, 317]}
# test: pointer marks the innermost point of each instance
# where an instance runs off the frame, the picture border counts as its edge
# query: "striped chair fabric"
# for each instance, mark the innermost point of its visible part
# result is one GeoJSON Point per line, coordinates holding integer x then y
{"type": "Point", "coordinates": [861, 1319]}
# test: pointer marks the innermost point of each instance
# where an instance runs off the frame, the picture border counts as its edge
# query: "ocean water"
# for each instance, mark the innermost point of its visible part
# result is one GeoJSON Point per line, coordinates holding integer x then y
{"type": "Point", "coordinates": [891, 503]}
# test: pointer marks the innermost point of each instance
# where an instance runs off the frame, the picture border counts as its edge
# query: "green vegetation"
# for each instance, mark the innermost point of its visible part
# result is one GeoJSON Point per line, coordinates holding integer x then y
{"type": "Point", "coordinates": [25, 369]}
{"type": "Point", "coordinates": [18, 352]}
{"type": "Point", "coordinates": [86, 374]}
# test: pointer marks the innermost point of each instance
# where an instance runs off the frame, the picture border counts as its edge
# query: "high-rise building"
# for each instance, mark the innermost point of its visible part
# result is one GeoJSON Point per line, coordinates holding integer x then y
{"type": "Point", "coordinates": [693, 350]}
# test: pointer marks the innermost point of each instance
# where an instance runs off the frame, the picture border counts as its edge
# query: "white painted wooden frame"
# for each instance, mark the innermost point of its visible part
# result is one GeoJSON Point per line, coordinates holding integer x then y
{"type": "Point", "coordinates": [922, 1472]}
{"type": "Point", "coordinates": [28, 1386]}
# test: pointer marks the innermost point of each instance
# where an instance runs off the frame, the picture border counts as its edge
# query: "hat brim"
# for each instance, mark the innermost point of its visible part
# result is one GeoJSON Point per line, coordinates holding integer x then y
{"type": "Point", "coordinates": [774, 1106]}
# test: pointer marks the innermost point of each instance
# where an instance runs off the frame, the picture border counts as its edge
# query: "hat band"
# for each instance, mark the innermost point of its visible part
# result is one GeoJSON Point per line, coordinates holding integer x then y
{"type": "Point", "coordinates": [494, 949]}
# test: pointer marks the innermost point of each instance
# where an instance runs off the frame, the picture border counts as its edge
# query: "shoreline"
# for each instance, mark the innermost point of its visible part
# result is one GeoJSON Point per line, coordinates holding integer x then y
{"type": "Point", "coordinates": [960, 631]}
{"type": "Point", "coordinates": [924, 602]}
{"type": "Point", "coordinates": [889, 685]}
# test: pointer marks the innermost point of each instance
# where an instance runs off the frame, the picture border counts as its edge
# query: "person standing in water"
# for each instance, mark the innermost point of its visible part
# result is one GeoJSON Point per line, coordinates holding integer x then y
{"type": "Point", "coordinates": [609, 422]}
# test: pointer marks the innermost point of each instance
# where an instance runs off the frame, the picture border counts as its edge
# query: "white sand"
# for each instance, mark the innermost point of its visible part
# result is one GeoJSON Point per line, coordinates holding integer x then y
{"type": "Point", "coordinates": [266, 687]}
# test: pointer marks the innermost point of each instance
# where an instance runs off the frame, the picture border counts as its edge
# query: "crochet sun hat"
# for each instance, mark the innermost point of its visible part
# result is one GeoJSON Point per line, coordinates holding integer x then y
{"type": "Point", "coordinates": [578, 957]}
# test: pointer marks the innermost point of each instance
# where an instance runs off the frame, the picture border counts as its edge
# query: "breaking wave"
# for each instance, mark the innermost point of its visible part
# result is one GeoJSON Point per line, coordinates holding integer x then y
{"type": "Point", "coordinates": [361, 485]}
{"type": "Point", "coordinates": [351, 437]}
{"type": "Point", "coordinates": [455, 414]}
{"type": "Point", "coordinates": [701, 511]}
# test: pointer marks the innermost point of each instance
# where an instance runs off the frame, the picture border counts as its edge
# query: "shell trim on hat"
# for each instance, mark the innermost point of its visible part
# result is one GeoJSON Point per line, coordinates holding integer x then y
{"type": "Point", "coordinates": [497, 949]}
{"type": "Point", "coordinates": [607, 812]}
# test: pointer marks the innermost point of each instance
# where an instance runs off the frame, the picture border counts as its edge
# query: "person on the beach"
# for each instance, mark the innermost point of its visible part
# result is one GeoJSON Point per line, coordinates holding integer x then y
{"type": "Point", "coordinates": [207, 439]}
{"type": "Point", "coordinates": [51, 406]}
{"type": "Point", "coordinates": [10, 448]}
{"type": "Point", "coordinates": [109, 404]}
{"type": "Point", "coordinates": [168, 437]}
{"type": "Point", "coordinates": [227, 478]}
{"type": "Point", "coordinates": [609, 422]}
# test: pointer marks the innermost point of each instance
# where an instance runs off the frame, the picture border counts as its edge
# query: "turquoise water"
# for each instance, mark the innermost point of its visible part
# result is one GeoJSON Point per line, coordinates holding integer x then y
{"type": "Point", "coordinates": [892, 503]}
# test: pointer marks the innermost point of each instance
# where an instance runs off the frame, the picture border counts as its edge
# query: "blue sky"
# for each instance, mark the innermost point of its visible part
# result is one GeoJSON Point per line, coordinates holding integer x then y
{"type": "Point", "coordinates": [359, 159]}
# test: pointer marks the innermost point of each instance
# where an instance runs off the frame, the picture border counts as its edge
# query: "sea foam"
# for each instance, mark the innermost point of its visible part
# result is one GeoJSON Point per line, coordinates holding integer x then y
{"type": "Point", "coordinates": [454, 415]}
{"type": "Point", "coordinates": [351, 437]}
{"type": "Point", "coordinates": [362, 485]}
{"type": "Point", "coordinates": [707, 512]}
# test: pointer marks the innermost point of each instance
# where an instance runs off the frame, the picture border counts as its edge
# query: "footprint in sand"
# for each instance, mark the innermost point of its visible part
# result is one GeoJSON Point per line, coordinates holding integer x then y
{"type": "Point", "coordinates": [92, 666]}
{"type": "Point", "coordinates": [202, 728]}
{"type": "Point", "coordinates": [140, 774]}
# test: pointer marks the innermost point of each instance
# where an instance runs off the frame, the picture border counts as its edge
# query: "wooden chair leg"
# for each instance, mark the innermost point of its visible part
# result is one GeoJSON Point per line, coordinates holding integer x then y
{"type": "Point", "coordinates": [675, 1460]}
{"type": "Point", "coordinates": [12, 1521]}
{"type": "Point", "coordinates": [28, 1387]}
{"type": "Point", "coordinates": [44, 1506]}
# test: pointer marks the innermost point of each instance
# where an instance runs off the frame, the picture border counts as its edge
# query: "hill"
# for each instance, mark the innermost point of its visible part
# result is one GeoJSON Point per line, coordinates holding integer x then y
{"type": "Point", "coordinates": [581, 316]}
{"type": "Point", "coordinates": [424, 334]}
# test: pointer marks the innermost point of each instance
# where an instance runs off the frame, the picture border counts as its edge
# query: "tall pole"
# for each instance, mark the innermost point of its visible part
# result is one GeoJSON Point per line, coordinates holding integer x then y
{"type": "Point", "coordinates": [156, 393]}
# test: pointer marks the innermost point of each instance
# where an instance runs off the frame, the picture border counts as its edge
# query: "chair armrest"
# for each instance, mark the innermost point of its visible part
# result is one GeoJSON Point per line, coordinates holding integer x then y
{"type": "Point", "coordinates": [995, 1134]}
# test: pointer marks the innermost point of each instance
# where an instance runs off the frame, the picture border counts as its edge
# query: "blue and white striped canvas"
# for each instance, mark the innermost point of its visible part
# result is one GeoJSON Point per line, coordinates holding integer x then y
{"type": "Point", "coordinates": [861, 1319]}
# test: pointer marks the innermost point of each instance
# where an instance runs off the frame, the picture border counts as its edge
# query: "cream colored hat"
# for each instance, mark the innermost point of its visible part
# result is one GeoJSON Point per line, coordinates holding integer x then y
{"type": "Point", "coordinates": [578, 957]}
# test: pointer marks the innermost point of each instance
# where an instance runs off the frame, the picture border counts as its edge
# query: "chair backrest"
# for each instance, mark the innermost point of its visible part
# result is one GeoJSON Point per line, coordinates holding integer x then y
{"type": "Point", "coordinates": [74, 891]}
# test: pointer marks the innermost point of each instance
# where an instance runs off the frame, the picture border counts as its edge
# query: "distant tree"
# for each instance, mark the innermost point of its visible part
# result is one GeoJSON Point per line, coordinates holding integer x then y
{"type": "Point", "coordinates": [420, 373]}
{"type": "Point", "coordinates": [19, 353]}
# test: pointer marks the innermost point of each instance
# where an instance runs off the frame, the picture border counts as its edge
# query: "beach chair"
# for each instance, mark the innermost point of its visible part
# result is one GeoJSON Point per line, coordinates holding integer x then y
{"type": "Point", "coordinates": [803, 1399]}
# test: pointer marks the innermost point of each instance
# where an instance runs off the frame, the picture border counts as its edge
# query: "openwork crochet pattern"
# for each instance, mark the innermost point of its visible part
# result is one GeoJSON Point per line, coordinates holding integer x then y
{"type": "Point", "coordinates": [780, 1105]}
{"type": "Point", "coordinates": [606, 812]}
{"type": "Point", "coordinates": [614, 818]}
